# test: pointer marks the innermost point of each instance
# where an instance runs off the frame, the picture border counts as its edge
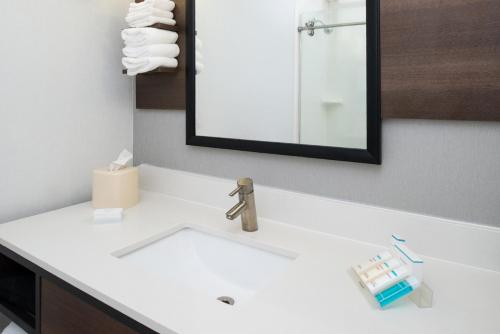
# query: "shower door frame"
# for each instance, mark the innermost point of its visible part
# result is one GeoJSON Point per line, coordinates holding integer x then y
{"type": "Point", "coordinates": [371, 155]}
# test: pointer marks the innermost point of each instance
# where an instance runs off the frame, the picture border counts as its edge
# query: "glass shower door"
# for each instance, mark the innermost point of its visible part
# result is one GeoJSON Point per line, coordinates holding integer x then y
{"type": "Point", "coordinates": [332, 107]}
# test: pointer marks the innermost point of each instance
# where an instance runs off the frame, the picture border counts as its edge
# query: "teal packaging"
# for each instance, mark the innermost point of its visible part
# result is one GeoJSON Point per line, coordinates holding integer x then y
{"type": "Point", "coordinates": [397, 291]}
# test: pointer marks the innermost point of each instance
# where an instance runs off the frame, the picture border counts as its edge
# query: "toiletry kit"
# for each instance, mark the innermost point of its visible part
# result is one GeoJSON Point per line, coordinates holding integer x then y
{"type": "Point", "coordinates": [394, 274]}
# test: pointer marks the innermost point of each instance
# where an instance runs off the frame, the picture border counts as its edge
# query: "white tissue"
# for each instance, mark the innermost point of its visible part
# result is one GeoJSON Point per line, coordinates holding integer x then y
{"type": "Point", "coordinates": [121, 162]}
{"type": "Point", "coordinates": [106, 216]}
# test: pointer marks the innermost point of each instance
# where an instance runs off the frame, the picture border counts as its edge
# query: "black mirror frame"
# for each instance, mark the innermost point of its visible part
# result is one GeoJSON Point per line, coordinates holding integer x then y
{"type": "Point", "coordinates": [371, 155]}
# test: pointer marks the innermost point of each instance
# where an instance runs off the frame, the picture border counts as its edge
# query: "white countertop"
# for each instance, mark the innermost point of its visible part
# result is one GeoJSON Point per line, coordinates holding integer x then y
{"type": "Point", "coordinates": [315, 295]}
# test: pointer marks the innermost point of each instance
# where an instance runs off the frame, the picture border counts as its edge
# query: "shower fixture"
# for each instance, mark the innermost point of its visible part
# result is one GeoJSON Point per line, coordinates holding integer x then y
{"type": "Point", "coordinates": [314, 24]}
{"type": "Point", "coordinates": [311, 26]}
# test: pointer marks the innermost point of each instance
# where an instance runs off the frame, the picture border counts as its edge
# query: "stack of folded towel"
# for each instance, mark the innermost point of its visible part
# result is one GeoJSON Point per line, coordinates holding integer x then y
{"type": "Point", "coordinates": [199, 56]}
{"type": "Point", "coordinates": [150, 12]}
{"type": "Point", "coordinates": [149, 48]}
{"type": "Point", "coordinates": [146, 48]}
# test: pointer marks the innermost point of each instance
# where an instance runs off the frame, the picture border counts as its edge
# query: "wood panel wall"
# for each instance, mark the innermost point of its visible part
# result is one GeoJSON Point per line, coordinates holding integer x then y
{"type": "Point", "coordinates": [441, 59]}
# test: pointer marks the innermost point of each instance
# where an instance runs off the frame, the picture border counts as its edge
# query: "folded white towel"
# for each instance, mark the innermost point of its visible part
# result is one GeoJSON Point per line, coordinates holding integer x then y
{"type": "Point", "coordinates": [136, 37]}
{"type": "Point", "coordinates": [199, 44]}
{"type": "Point", "coordinates": [155, 50]}
{"type": "Point", "coordinates": [199, 56]}
{"type": "Point", "coordinates": [137, 15]}
{"type": "Point", "coordinates": [135, 66]}
{"type": "Point", "coordinates": [149, 20]}
{"type": "Point", "coordinates": [160, 4]}
{"type": "Point", "coordinates": [199, 67]}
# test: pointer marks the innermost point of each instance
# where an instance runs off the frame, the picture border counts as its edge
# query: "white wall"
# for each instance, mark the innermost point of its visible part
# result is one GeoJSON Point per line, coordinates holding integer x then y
{"type": "Point", "coordinates": [65, 107]}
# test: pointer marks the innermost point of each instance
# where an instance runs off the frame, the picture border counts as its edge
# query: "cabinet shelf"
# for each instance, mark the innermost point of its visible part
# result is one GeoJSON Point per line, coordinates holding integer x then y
{"type": "Point", "coordinates": [158, 70]}
{"type": "Point", "coordinates": [161, 26]}
{"type": "Point", "coordinates": [164, 27]}
{"type": "Point", "coordinates": [18, 293]}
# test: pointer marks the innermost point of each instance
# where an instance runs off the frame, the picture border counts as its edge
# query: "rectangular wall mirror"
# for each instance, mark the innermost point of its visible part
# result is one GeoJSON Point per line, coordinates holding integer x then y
{"type": "Point", "coordinates": [293, 77]}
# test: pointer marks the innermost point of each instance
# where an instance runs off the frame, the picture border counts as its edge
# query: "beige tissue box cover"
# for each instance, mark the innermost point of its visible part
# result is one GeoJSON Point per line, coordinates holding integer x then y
{"type": "Point", "coordinates": [117, 189]}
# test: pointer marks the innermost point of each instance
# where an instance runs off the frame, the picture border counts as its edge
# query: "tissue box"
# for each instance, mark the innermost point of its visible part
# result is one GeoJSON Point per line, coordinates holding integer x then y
{"type": "Point", "coordinates": [116, 189]}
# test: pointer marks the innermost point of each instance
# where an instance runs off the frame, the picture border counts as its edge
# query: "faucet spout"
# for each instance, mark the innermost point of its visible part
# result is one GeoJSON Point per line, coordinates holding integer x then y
{"type": "Point", "coordinates": [236, 210]}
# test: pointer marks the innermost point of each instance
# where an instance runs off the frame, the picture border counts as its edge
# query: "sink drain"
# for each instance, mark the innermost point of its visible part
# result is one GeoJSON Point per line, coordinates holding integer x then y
{"type": "Point", "coordinates": [226, 300]}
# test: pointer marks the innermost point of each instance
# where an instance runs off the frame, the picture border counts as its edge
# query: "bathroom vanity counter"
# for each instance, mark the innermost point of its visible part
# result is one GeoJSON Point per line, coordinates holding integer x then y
{"type": "Point", "coordinates": [315, 294]}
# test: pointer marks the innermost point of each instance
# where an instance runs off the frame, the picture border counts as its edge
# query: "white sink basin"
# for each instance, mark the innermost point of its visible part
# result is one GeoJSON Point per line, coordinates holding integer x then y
{"type": "Point", "coordinates": [212, 265]}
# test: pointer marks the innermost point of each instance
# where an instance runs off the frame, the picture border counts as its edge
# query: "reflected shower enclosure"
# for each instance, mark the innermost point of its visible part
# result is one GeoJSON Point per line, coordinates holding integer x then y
{"type": "Point", "coordinates": [332, 79]}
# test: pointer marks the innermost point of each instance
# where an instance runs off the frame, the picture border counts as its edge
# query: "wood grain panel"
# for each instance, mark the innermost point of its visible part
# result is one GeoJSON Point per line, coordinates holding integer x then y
{"type": "Point", "coordinates": [63, 313]}
{"type": "Point", "coordinates": [166, 90]}
{"type": "Point", "coordinates": [441, 59]}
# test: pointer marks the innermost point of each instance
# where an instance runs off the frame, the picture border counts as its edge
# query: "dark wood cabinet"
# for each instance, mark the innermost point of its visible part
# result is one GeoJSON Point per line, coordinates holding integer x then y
{"type": "Point", "coordinates": [42, 303]}
{"type": "Point", "coordinates": [18, 293]}
{"type": "Point", "coordinates": [63, 313]}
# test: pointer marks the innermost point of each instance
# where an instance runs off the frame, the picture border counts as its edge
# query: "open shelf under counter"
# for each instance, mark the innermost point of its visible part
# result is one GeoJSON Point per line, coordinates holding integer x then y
{"type": "Point", "coordinates": [18, 293]}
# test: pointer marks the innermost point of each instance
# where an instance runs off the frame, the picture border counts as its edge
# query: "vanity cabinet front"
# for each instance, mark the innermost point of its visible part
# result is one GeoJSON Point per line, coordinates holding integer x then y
{"type": "Point", "coordinates": [41, 303]}
{"type": "Point", "coordinates": [63, 313]}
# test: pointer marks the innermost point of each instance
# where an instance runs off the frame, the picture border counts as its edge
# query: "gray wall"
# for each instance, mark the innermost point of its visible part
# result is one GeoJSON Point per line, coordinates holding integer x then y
{"type": "Point", "coordinates": [447, 169]}
{"type": "Point", "coordinates": [65, 106]}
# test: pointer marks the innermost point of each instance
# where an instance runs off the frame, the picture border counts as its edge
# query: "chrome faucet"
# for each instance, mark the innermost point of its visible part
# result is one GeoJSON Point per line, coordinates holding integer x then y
{"type": "Point", "coordinates": [245, 207]}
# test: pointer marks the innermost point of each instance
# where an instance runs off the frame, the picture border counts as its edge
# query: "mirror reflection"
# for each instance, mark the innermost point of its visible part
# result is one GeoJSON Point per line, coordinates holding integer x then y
{"type": "Point", "coordinates": [282, 71]}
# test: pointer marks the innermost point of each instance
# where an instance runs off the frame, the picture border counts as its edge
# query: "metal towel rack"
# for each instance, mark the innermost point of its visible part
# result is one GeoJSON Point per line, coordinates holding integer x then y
{"type": "Point", "coordinates": [311, 26]}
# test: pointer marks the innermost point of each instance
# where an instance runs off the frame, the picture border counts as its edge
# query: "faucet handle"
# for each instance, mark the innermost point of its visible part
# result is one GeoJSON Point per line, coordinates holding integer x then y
{"type": "Point", "coordinates": [245, 186]}
{"type": "Point", "coordinates": [236, 191]}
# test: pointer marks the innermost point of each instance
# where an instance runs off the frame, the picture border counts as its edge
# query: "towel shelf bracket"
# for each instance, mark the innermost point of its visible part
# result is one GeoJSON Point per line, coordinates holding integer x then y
{"type": "Point", "coordinates": [165, 88]}
{"type": "Point", "coordinates": [164, 27]}
{"type": "Point", "coordinates": [158, 70]}
{"type": "Point", "coordinates": [161, 26]}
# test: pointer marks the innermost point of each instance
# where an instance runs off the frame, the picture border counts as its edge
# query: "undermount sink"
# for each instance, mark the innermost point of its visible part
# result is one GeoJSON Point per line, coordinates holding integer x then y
{"type": "Point", "coordinates": [213, 265]}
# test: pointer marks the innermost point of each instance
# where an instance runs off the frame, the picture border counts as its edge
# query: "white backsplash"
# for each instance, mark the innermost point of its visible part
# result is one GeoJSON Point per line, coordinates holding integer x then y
{"type": "Point", "coordinates": [469, 244]}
